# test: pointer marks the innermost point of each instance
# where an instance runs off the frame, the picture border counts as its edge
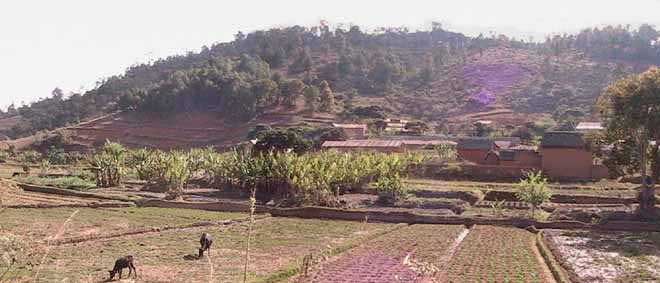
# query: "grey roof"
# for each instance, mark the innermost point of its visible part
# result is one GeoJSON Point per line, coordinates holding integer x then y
{"type": "Point", "coordinates": [508, 155]}
{"type": "Point", "coordinates": [475, 143]}
{"type": "Point", "coordinates": [563, 140]}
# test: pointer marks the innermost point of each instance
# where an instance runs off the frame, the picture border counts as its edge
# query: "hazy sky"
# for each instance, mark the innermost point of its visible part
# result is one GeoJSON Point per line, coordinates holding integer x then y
{"type": "Point", "coordinates": [72, 43]}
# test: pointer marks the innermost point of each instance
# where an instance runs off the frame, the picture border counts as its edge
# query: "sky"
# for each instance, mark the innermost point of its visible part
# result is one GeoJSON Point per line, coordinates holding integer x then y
{"type": "Point", "coordinates": [72, 44]}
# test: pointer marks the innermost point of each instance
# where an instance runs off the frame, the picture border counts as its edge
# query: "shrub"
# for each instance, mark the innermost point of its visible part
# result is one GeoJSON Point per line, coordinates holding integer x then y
{"type": "Point", "coordinates": [176, 174]}
{"type": "Point", "coordinates": [109, 165]}
{"type": "Point", "coordinates": [4, 156]}
{"type": "Point", "coordinates": [533, 189]}
{"type": "Point", "coordinates": [317, 178]}
{"type": "Point", "coordinates": [446, 152]}
{"type": "Point", "coordinates": [390, 189]}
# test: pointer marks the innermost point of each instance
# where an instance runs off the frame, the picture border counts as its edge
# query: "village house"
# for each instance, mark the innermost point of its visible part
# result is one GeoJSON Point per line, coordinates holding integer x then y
{"type": "Point", "coordinates": [353, 131]}
{"type": "Point", "coordinates": [475, 149]}
{"type": "Point", "coordinates": [395, 125]}
{"type": "Point", "coordinates": [517, 156]}
{"type": "Point", "coordinates": [565, 155]}
{"type": "Point", "coordinates": [412, 145]}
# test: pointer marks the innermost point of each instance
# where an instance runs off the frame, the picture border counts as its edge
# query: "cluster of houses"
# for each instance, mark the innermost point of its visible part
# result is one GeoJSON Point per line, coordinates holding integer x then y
{"type": "Point", "coordinates": [561, 155]}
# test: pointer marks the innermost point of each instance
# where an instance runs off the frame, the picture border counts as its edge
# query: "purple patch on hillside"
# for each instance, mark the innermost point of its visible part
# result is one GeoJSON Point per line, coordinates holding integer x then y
{"type": "Point", "coordinates": [492, 79]}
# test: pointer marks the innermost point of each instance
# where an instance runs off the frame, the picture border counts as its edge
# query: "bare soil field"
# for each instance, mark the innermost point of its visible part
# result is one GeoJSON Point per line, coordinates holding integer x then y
{"type": "Point", "coordinates": [608, 256]}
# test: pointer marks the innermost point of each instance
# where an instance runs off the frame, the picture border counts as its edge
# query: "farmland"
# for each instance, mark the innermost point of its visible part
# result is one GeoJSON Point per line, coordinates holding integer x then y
{"type": "Point", "coordinates": [609, 256]}
{"type": "Point", "coordinates": [80, 243]}
{"type": "Point", "coordinates": [169, 255]}
{"type": "Point", "coordinates": [494, 254]}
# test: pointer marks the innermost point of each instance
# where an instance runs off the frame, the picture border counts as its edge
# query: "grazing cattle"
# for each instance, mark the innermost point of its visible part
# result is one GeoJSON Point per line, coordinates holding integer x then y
{"type": "Point", "coordinates": [120, 264]}
{"type": "Point", "coordinates": [205, 242]}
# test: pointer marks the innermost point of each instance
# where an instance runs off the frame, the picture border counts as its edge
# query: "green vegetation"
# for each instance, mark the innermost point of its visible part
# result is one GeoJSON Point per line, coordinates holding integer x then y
{"type": "Point", "coordinates": [265, 69]}
{"type": "Point", "coordinates": [314, 178]}
{"type": "Point", "coordinates": [533, 189]}
{"type": "Point", "coordinates": [109, 165]}
{"type": "Point", "coordinates": [632, 109]}
{"type": "Point", "coordinates": [69, 182]}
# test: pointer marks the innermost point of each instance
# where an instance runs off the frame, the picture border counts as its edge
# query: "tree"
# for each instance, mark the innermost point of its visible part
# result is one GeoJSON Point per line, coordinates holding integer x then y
{"type": "Point", "coordinates": [109, 165]}
{"type": "Point", "coordinates": [533, 189]}
{"type": "Point", "coordinates": [417, 127]}
{"type": "Point", "coordinates": [631, 108]}
{"type": "Point", "coordinates": [327, 97]}
{"type": "Point", "coordinates": [294, 88]}
{"type": "Point", "coordinates": [302, 63]}
{"type": "Point", "coordinates": [482, 130]}
{"type": "Point", "coordinates": [311, 94]}
{"type": "Point", "coordinates": [332, 134]}
{"type": "Point", "coordinates": [281, 141]}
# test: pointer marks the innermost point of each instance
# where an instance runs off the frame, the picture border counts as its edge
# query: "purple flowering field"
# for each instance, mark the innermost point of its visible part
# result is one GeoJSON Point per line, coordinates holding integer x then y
{"type": "Point", "coordinates": [492, 79]}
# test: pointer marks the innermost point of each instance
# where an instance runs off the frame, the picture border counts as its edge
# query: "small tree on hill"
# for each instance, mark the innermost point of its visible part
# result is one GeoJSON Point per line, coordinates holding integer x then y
{"type": "Point", "coordinates": [533, 189]}
{"type": "Point", "coordinates": [311, 98]}
{"type": "Point", "coordinates": [327, 97]}
{"type": "Point", "coordinates": [294, 88]}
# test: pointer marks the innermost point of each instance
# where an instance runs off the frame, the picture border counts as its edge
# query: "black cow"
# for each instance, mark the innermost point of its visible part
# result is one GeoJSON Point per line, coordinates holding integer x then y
{"type": "Point", "coordinates": [120, 264]}
{"type": "Point", "coordinates": [205, 242]}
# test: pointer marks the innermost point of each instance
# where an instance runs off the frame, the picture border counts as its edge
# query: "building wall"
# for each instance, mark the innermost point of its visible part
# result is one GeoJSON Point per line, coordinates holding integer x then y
{"type": "Point", "coordinates": [491, 159]}
{"type": "Point", "coordinates": [528, 158]}
{"type": "Point", "coordinates": [567, 163]}
{"type": "Point", "coordinates": [473, 155]}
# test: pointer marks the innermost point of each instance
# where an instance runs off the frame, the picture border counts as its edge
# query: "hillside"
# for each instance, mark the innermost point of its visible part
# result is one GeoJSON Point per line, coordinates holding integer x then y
{"type": "Point", "coordinates": [274, 77]}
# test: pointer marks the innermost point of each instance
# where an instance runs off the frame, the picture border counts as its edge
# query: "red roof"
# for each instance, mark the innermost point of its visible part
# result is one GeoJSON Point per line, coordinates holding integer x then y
{"type": "Point", "coordinates": [430, 142]}
{"type": "Point", "coordinates": [362, 143]}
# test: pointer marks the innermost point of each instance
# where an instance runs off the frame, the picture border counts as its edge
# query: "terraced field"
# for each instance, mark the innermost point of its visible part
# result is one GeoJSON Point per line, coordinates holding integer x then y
{"type": "Point", "coordinates": [498, 254]}
{"type": "Point", "coordinates": [608, 256]}
{"type": "Point", "coordinates": [411, 254]}
{"type": "Point", "coordinates": [93, 222]}
{"type": "Point", "coordinates": [170, 256]}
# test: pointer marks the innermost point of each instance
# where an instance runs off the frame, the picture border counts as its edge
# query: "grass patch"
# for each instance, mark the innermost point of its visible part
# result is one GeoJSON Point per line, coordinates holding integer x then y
{"type": "Point", "coordinates": [69, 182]}
{"type": "Point", "coordinates": [165, 257]}
{"type": "Point", "coordinates": [41, 223]}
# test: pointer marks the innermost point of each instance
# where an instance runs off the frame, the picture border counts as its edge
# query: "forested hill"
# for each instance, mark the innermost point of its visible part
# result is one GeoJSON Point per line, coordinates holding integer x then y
{"type": "Point", "coordinates": [435, 76]}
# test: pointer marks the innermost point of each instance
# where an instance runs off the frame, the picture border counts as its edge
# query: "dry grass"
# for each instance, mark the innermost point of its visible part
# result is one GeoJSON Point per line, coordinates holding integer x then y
{"type": "Point", "coordinates": [90, 221]}
{"type": "Point", "coordinates": [277, 243]}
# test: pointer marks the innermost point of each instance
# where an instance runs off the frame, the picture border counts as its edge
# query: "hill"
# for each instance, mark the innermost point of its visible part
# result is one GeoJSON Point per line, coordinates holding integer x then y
{"type": "Point", "coordinates": [443, 78]}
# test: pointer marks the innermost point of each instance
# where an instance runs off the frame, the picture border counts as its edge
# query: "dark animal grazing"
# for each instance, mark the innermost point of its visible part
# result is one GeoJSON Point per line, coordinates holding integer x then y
{"type": "Point", "coordinates": [205, 242]}
{"type": "Point", "coordinates": [120, 264]}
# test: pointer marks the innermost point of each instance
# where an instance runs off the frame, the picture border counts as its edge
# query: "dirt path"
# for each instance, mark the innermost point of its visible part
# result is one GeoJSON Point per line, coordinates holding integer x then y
{"type": "Point", "coordinates": [546, 273]}
{"type": "Point", "coordinates": [444, 261]}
